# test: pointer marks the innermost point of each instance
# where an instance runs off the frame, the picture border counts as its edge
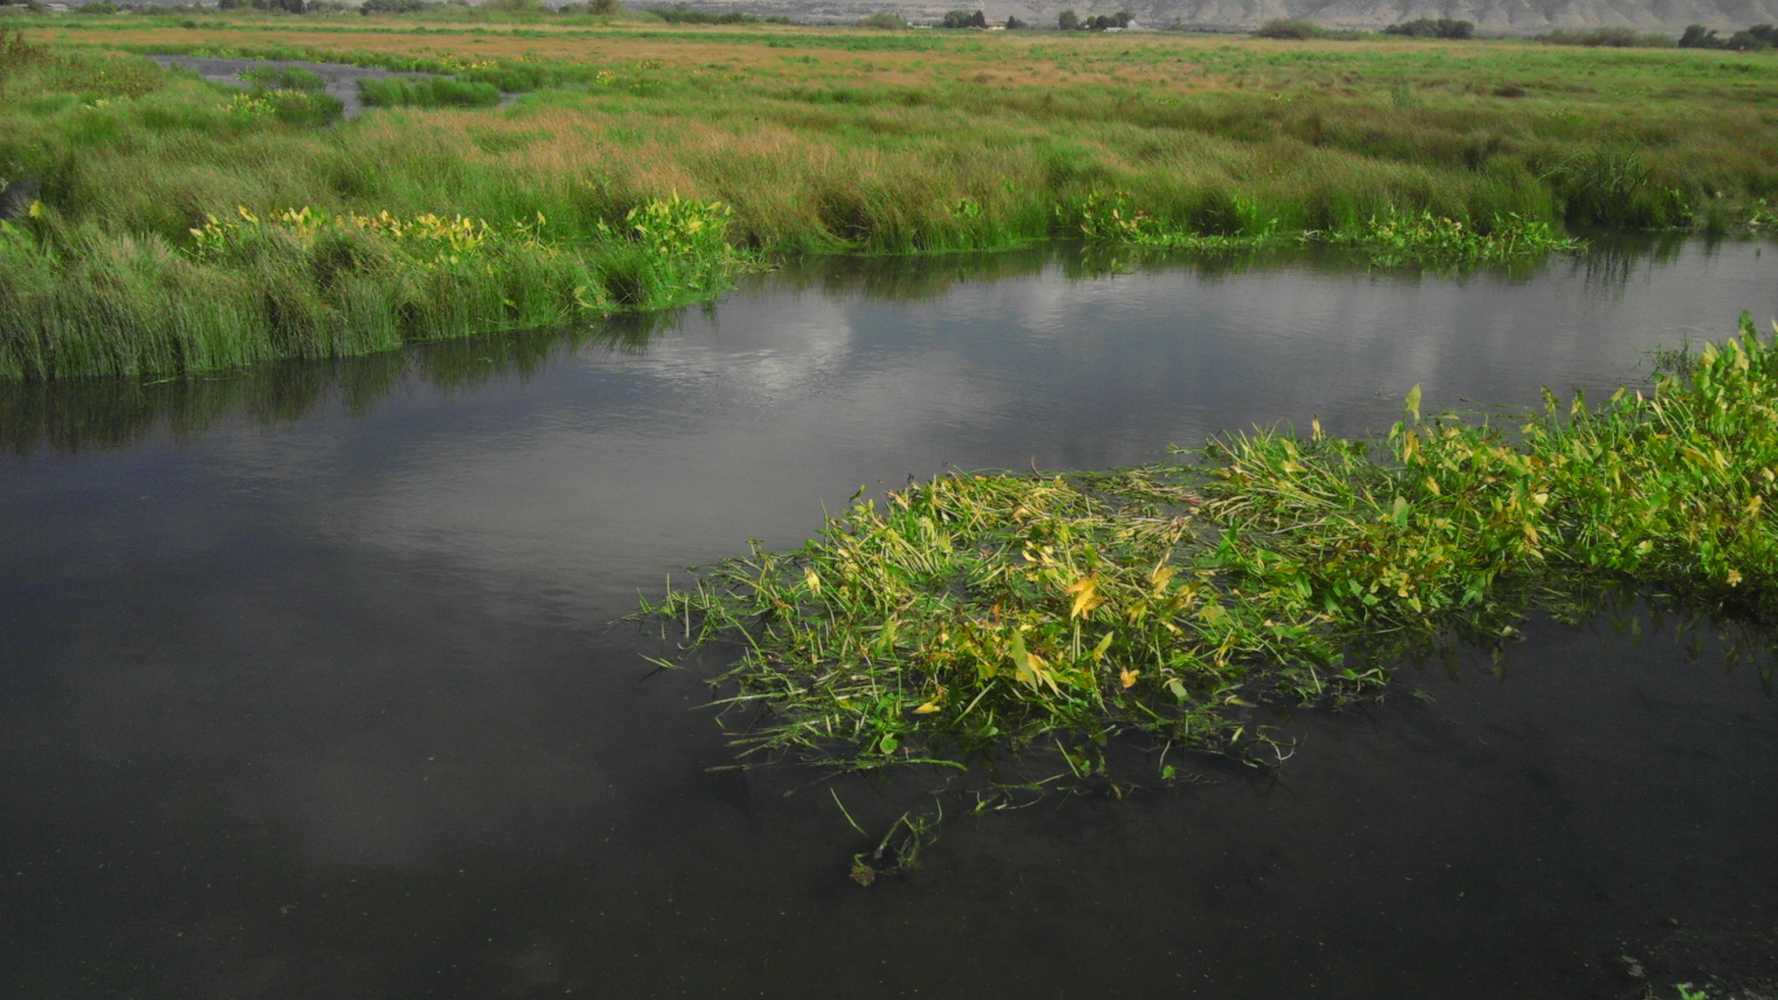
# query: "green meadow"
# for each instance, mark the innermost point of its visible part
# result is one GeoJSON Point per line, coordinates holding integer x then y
{"type": "Point", "coordinates": [553, 171]}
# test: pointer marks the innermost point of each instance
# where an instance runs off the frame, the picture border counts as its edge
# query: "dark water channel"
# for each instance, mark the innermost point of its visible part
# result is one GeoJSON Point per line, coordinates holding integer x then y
{"type": "Point", "coordinates": [306, 689]}
{"type": "Point", "coordinates": [340, 80]}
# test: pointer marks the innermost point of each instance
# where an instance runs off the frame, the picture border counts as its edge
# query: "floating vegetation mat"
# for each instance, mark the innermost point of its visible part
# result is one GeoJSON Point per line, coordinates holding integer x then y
{"type": "Point", "coordinates": [978, 616]}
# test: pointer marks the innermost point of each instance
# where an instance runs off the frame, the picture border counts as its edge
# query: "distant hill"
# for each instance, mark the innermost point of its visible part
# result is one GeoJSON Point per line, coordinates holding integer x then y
{"type": "Point", "coordinates": [1492, 17]}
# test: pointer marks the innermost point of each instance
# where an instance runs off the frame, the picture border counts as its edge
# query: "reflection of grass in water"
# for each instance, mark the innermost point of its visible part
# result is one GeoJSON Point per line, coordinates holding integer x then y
{"type": "Point", "coordinates": [1000, 614]}
{"type": "Point", "coordinates": [78, 414]}
{"type": "Point", "coordinates": [84, 415]}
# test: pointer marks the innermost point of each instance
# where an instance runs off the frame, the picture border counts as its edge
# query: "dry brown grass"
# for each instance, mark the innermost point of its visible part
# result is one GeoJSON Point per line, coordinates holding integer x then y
{"type": "Point", "coordinates": [1179, 62]}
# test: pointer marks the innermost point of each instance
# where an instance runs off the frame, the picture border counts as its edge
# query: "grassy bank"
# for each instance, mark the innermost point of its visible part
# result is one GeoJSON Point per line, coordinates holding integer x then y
{"type": "Point", "coordinates": [983, 615]}
{"type": "Point", "coordinates": [812, 141]}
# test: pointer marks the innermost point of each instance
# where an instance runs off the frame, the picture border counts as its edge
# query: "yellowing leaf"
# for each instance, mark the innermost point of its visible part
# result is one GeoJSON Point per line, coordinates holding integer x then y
{"type": "Point", "coordinates": [1021, 661]}
{"type": "Point", "coordinates": [927, 709]}
{"type": "Point", "coordinates": [1128, 678]}
{"type": "Point", "coordinates": [813, 580]}
{"type": "Point", "coordinates": [1411, 405]}
{"type": "Point", "coordinates": [1086, 596]}
{"type": "Point", "coordinates": [1104, 644]}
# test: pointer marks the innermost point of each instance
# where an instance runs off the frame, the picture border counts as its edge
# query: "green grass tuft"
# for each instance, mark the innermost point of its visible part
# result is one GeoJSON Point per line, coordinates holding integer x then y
{"type": "Point", "coordinates": [428, 92]}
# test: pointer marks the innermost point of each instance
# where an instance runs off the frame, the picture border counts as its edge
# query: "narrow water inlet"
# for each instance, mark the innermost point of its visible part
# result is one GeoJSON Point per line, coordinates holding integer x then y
{"type": "Point", "coordinates": [341, 78]}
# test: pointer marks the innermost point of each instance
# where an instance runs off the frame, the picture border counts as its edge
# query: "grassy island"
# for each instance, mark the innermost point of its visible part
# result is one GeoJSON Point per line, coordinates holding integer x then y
{"type": "Point", "coordinates": [983, 615]}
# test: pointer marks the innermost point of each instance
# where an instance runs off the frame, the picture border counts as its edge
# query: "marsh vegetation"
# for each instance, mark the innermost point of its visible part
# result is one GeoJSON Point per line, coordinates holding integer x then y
{"type": "Point", "coordinates": [810, 141]}
{"type": "Point", "coordinates": [981, 616]}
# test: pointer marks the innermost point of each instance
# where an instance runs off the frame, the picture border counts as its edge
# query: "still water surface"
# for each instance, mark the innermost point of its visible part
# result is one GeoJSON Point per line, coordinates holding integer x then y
{"type": "Point", "coordinates": [307, 688]}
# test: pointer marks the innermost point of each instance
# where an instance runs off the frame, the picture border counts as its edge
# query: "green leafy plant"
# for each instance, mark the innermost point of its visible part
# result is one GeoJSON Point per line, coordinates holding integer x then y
{"type": "Point", "coordinates": [1394, 239]}
{"type": "Point", "coordinates": [681, 227]}
{"type": "Point", "coordinates": [291, 107]}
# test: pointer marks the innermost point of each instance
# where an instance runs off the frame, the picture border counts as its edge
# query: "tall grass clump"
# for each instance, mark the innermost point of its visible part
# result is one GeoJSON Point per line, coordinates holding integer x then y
{"type": "Point", "coordinates": [1617, 187]}
{"type": "Point", "coordinates": [428, 92]}
{"type": "Point", "coordinates": [302, 283]}
{"type": "Point", "coordinates": [16, 52]}
{"type": "Point", "coordinates": [977, 616]}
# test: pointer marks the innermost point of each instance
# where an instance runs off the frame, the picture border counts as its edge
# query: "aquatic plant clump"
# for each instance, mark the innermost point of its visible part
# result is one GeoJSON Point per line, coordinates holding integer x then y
{"type": "Point", "coordinates": [1393, 239]}
{"type": "Point", "coordinates": [428, 238]}
{"type": "Point", "coordinates": [983, 614]}
{"type": "Point", "coordinates": [292, 107]}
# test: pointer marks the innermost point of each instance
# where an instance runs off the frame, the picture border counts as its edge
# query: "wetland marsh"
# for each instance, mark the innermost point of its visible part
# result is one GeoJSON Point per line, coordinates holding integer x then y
{"type": "Point", "coordinates": [350, 407]}
{"type": "Point", "coordinates": [783, 142]}
{"type": "Point", "coordinates": [341, 711]}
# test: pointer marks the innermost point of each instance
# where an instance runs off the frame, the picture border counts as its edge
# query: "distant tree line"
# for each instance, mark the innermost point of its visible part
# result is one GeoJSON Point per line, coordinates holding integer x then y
{"type": "Point", "coordinates": [1760, 36]}
{"type": "Point", "coordinates": [964, 19]}
{"type": "Point", "coordinates": [1068, 20]}
{"type": "Point", "coordinates": [1429, 27]}
{"type": "Point", "coordinates": [1291, 27]}
{"type": "Point", "coordinates": [1757, 38]}
{"type": "Point", "coordinates": [1754, 39]}
{"type": "Point", "coordinates": [681, 13]}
